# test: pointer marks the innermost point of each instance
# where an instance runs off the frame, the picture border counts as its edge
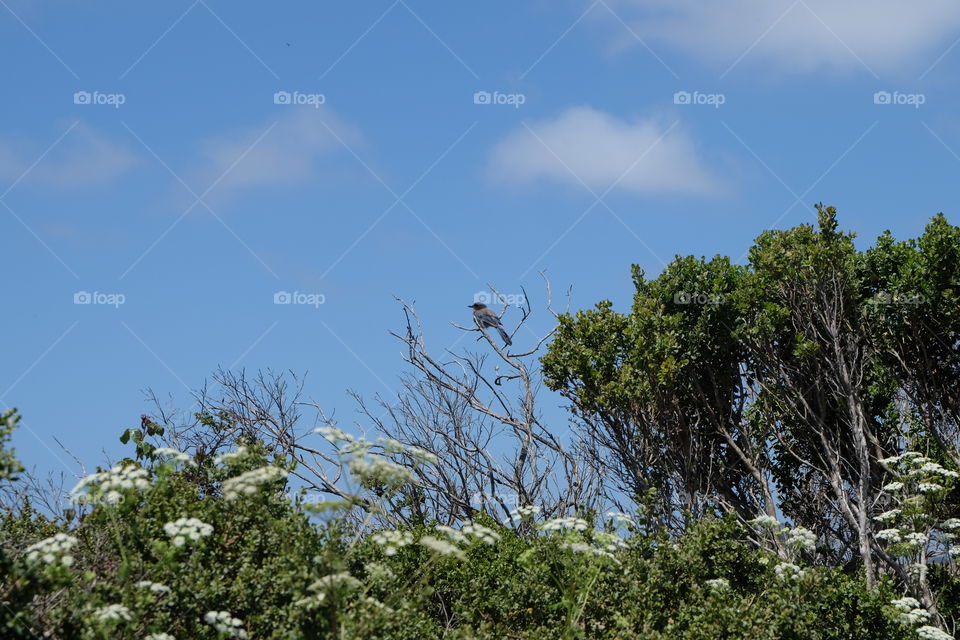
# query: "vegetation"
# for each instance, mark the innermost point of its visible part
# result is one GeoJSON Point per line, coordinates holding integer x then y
{"type": "Point", "coordinates": [768, 450]}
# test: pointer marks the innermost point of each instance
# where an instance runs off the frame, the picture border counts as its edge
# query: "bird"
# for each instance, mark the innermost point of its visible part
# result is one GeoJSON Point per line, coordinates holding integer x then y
{"type": "Point", "coordinates": [486, 317]}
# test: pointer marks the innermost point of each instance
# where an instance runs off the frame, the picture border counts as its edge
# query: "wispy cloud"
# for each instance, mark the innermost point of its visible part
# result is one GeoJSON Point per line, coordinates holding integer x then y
{"type": "Point", "coordinates": [82, 158]}
{"type": "Point", "coordinates": [799, 35]}
{"type": "Point", "coordinates": [287, 150]}
{"type": "Point", "coordinates": [584, 144]}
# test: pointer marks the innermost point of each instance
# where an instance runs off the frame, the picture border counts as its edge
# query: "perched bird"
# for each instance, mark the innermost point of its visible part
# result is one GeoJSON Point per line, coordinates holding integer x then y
{"type": "Point", "coordinates": [485, 317]}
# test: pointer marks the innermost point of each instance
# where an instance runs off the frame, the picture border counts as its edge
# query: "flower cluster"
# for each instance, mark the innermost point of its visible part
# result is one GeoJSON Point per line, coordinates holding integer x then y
{"type": "Point", "coordinates": [583, 547]}
{"type": "Point", "coordinates": [765, 521]}
{"type": "Point", "coordinates": [442, 547]}
{"type": "Point", "coordinates": [342, 580]}
{"type": "Point", "coordinates": [109, 487]}
{"type": "Point", "coordinates": [558, 524]}
{"type": "Point", "coordinates": [183, 529]}
{"type": "Point", "coordinates": [526, 512]}
{"type": "Point", "coordinates": [231, 456]}
{"type": "Point", "coordinates": [391, 541]}
{"type": "Point", "coordinates": [159, 636]}
{"type": "Point", "coordinates": [55, 549]}
{"type": "Point", "coordinates": [226, 624]}
{"type": "Point", "coordinates": [113, 613]}
{"type": "Point", "coordinates": [621, 518]}
{"type": "Point", "coordinates": [932, 633]}
{"type": "Point", "coordinates": [178, 457]}
{"type": "Point", "coordinates": [910, 611]}
{"type": "Point", "coordinates": [788, 571]}
{"type": "Point", "coordinates": [719, 584]}
{"type": "Point", "coordinates": [609, 541]}
{"type": "Point", "coordinates": [801, 538]}
{"type": "Point", "coordinates": [247, 484]}
{"type": "Point", "coordinates": [153, 587]}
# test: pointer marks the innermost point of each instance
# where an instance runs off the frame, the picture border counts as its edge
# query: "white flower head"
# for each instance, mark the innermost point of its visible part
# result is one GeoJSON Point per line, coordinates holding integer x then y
{"type": "Point", "coordinates": [248, 484]}
{"type": "Point", "coordinates": [53, 550]}
{"type": "Point", "coordinates": [183, 529]}
{"type": "Point", "coordinates": [113, 613]}
{"type": "Point", "coordinates": [442, 547]}
{"type": "Point", "coordinates": [225, 623]}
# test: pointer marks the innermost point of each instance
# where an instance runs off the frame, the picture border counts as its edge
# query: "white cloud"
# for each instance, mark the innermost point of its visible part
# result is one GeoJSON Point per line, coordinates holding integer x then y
{"type": "Point", "coordinates": [803, 36]}
{"type": "Point", "coordinates": [290, 151]}
{"type": "Point", "coordinates": [585, 144]}
{"type": "Point", "coordinates": [82, 158]}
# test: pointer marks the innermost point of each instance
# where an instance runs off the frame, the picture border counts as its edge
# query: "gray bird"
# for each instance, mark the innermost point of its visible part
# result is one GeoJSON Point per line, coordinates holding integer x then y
{"type": "Point", "coordinates": [485, 317]}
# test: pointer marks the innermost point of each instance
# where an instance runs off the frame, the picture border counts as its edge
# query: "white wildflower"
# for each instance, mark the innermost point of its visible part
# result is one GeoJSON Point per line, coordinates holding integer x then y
{"type": "Point", "coordinates": [932, 633]}
{"type": "Point", "coordinates": [110, 487]}
{"type": "Point", "coordinates": [334, 434]}
{"type": "Point", "coordinates": [231, 456]}
{"type": "Point", "coordinates": [583, 547]}
{"type": "Point", "coordinates": [55, 549]}
{"type": "Point", "coordinates": [893, 514]}
{"type": "Point", "coordinates": [952, 523]}
{"type": "Point", "coordinates": [916, 539]}
{"type": "Point", "coordinates": [928, 487]}
{"type": "Point", "coordinates": [610, 542]}
{"type": "Point", "coordinates": [249, 483]}
{"type": "Point", "coordinates": [442, 547]}
{"type": "Point", "coordinates": [893, 486]}
{"type": "Point", "coordinates": [391, 541]}
{"type": "Point", "coordinates": [525, 512]}
{"type": "Point", "coordinates": [765, 521]}
{"type": "Point", "coordinates": [173, 454]}
{"type": "Point", "coordinates": [342, 580]}
{"type": "Point", "coordinates": [159, 636]}
{"type": "Point", "coordinates": [153, 587]}
{"type": "Point", "coordinates": [557, 524]}
{"type": "Point", "coordinates": [788, 571]}
{"type": "Point", "coordinates": [113, 613]}
{"type": "Point", "coordinates": [225, 623]}
{"type": "Point", "coordinates": [619, 517]}
{"type": "Point", "coordinates": [890, 535]}
{"type": "Point", "coordinates": [183, 529]}
{"type": "Point", "coordinates": [481, 533]}
{"type": "Point", "coordinates": [801, 538]}
{"type": "Point", "coordinates": [720, 584]}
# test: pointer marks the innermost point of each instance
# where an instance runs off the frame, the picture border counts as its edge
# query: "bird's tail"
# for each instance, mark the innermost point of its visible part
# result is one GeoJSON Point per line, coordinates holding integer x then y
{"type": "Point", "coordinates": [506, 337]}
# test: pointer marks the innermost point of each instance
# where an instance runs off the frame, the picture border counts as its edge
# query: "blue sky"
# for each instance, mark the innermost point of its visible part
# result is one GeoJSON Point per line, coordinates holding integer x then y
{"type": "Point", "coordinates": [147, 156]}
